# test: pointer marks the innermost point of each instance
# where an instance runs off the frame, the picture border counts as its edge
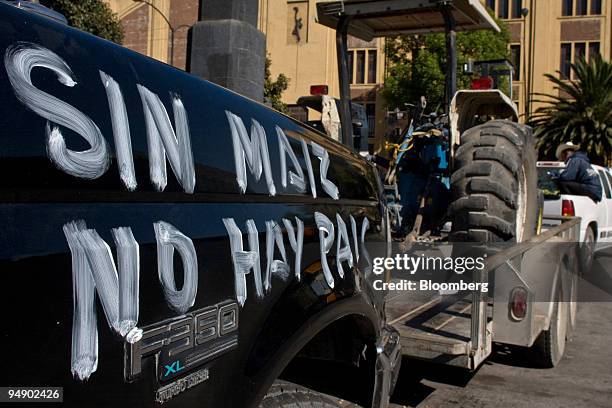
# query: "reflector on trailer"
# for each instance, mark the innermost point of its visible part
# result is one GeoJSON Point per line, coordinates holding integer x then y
{"type": "Point", "coordinates": [518, 303]}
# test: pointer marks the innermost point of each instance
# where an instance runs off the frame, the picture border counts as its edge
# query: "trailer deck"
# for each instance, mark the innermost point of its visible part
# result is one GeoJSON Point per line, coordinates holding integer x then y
{"type": "Point", "coordinates": [437, 329]}
{"type": "Point", "coordinates": [458, 329]}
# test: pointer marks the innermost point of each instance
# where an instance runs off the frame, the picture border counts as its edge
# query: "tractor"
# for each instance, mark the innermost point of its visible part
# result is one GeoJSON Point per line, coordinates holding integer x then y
{"type": "Point", "coordinates": [467, 181]}
{"type": "Point", "coordinates": [471, 168]}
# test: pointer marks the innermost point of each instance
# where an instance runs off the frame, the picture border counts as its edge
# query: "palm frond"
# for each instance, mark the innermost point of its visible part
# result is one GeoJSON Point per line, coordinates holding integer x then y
{"type": "Point", "coordinates": [581, 112]}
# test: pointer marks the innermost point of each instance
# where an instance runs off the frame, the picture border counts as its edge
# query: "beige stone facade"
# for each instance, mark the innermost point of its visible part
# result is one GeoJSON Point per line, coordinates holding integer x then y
{"type": "Point", "coordinates": [147, 30]}
{"type": "Point", "coordinates": [552, 32]}
{"type": "Point", "coordinates": [298, 47]}
{"type": "Point", "coordinates": [305, 51]}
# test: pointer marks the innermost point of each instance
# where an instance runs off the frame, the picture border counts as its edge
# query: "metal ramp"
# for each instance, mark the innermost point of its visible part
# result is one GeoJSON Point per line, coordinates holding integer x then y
{"type": "Point", "coordinates": [439, 328]}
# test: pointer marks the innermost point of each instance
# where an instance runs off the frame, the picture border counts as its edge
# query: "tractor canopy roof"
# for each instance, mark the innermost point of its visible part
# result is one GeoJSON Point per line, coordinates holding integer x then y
{"type": "Point", "coordinates": [383, 18]}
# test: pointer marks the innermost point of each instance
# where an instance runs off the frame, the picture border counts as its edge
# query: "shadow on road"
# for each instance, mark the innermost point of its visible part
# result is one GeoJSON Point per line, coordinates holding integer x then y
{"type": "Point", "coordinates": [410, 389]}
{"type": "Point", "coordinates": [511, 356]}
{"type": "Point", "coordinates": [596, 284]}
{"type": "Point", "coordinates": [420, 380]}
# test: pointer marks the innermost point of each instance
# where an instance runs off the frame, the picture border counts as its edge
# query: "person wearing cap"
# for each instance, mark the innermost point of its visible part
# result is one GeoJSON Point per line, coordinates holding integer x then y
{"type": "Point", "coordinates": [578, 177]}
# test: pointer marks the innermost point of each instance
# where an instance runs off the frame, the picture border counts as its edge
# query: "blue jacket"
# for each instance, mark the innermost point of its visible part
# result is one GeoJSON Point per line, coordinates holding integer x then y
{"type": "Point", "coordinates": [578, 168]}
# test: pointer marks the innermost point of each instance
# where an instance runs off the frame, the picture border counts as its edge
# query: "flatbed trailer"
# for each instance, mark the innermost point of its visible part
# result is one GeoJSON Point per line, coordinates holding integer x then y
{"type": "Point", "coordinates": [459, 329]}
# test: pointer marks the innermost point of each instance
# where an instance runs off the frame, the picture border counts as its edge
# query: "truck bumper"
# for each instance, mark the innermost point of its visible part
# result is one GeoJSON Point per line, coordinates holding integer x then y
{"type": "Point", "coordinates": [388, 362]}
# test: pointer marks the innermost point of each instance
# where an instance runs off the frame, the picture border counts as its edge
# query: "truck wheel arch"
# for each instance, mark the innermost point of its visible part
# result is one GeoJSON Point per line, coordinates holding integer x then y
{"type": "Point", "coordinates": [593, 224]}
{"type": "Point", "coordinates": [585, 263]}
{"type": "Point", "coordinates": [320, 328]}
{"type": "Point", "coordinates": [467, 104]}
{"type": "Point", "coordinates": [561, 282]}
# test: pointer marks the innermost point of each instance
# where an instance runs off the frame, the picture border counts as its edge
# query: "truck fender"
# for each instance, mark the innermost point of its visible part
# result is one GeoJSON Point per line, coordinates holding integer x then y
{"type": "Point", "coordinates": [468, 104]}
{"type": "Point", "coordinates": [562, 280]}
{"type": "Point", "coordinates": [272, 353]}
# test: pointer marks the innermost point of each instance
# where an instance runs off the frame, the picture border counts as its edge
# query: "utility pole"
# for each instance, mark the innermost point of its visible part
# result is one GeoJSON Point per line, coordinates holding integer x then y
{"type": "Point", "coordinates": [526, 51]}
{"type": "Point", "coordinates": [530, 67]}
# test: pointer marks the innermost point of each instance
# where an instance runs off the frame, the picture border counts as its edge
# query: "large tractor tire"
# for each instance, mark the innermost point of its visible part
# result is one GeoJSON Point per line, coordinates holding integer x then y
{"type": "Point", "coordinates": [494, 185]}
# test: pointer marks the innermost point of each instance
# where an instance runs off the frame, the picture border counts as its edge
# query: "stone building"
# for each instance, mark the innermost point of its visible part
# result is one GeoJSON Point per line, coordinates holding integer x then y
{"type": "Point", "coordinates": [297, 46]}
{"type": "Point", "coordinates": [305, 51]}
{"type": "Point", "coordinates": [149, 27]}
{"type": "Point", "coordinates": [546, 39]}
{"type": "Point", "coordinates": [551, 35]}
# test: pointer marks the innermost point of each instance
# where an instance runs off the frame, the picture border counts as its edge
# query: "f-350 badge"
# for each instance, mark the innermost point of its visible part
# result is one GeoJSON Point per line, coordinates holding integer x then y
{"type": "Point", "coordinates": [185, 342]}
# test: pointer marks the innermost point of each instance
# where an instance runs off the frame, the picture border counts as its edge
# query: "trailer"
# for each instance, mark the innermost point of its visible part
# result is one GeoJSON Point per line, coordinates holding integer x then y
{"type": "Point", "coordinates": [530, 307]}
{"type": "Point", "coordinates": [494, 207]}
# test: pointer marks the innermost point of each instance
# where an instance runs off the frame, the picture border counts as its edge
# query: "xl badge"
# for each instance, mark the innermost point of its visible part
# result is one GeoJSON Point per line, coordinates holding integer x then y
{"type": "Point", "coordinates": [183, 343]}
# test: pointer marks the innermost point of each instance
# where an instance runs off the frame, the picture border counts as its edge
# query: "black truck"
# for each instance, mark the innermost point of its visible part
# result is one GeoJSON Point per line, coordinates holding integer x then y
{"type": "Point", "coordinates": [166, 241]}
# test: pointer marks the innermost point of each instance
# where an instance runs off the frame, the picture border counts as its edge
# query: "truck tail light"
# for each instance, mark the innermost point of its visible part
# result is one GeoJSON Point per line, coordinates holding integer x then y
{"type": "Point", "coordinates": [567, 208]}
{"type": "Point", "coordinates": [518, 303]}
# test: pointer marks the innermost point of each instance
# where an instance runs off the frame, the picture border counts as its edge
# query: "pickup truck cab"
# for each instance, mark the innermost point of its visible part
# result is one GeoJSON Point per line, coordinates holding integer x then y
{"type": "Point", "coordinates": [596, 217]}
{"type": "Point", "coordinates": [166, 240]}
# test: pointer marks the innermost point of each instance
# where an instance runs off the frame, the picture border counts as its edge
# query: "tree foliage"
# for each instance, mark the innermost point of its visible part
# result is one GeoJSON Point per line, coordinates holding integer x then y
{"type": "Point", "coordinates": [417, 63]}
{"type": "Point", "coordinates": [273, 89]}
{"type": "Point", "coordinates": [93, 16]}
{"type": "Point", "coordinates": [580, 113]}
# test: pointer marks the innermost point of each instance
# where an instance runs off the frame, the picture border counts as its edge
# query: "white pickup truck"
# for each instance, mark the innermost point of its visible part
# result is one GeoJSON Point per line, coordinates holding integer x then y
{"type": "Point", "coordinates": [596, 224]}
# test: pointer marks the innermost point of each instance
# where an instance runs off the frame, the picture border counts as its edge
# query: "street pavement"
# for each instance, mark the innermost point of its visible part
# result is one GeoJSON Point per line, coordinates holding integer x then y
{"type": "Point", "coordinates": [507, 379]}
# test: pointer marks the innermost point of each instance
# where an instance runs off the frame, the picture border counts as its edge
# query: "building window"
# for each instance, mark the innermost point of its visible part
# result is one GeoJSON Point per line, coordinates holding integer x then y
{"type": "Point", "coordinates": [517, 6]}
{"type": "Point", "coordinates": [505, 9]}
{"type": "Point", "coordinates": [579, 51]}
{"type": "Point", "coordinates": [593, 49]}
{"type": "Point", "coordinates": [515, 60]}
{"type": "Point", "coordinates": [595, 7]}
{"type": "Point", "coordinates": [502, 12]}
{"type": "Point", "coordinates": [372, 67]}
{"type": "Point", "coordinates": [360, 67]}
{"type": "Point", "coordinates": [568, 8]}
{"type": "Point", "coordinates": [582, 7]}
{"type": "Point", "coordinates": [350, 66]}
{"type": "Point", "coordinates": [566, 59]}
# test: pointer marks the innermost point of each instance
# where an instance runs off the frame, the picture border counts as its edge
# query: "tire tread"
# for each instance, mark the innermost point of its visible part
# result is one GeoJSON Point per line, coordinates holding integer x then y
{"type": "Point", "coordinates": [489, 164]}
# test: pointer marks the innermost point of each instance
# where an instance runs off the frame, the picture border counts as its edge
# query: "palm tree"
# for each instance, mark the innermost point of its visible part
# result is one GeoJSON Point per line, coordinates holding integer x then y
{"type": "Point", "coordinates": [580, 113]}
